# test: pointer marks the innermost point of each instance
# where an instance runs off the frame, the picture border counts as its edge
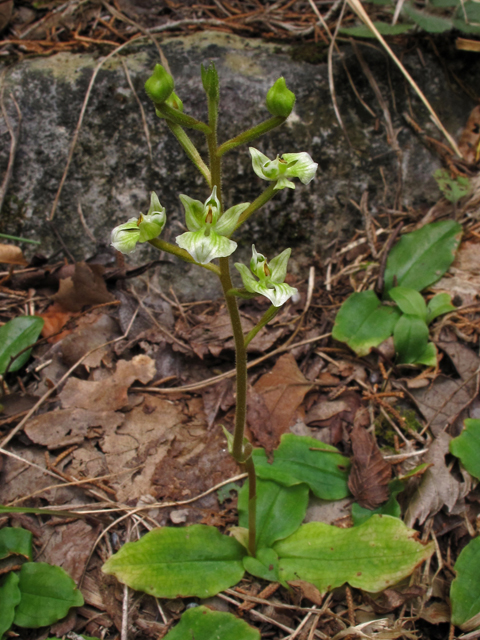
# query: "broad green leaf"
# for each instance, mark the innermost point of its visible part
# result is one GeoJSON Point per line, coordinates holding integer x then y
{"type": "Point", "coordinates": [411, 338]}
{"type": "Point", "coordinates": [472, 11]}
{"type": "Point", "coordinates": [386, 29]}
{"type": "Point", "coordinates": [389, 508]}
{"type": "Point", "coordinates": [298, 459]}
{"type": "Point", "coordinates": [409, 301]}
{"type": "Point", "coordinates": [429, 356]}
{"type": "Point", "coordinates": [363, 322]}
{"type": "Point", "coordinates": [372, 556]}
{"type": "Point", "coordinates": [170, 563]}
{"type": "Point", "coordinates": [427, 21]}
{"type": "Point", "coordinates": [467, 447]}
{"type": "Point", "coordinates": [202, 623]}
{"type": "Point", "coordinates": [10, 596]}
{"type": "Point", "coordinates": [15, 541]}
{"type": "Point", "coordinates": [444, 4]}
{"type": "Point", "coordinates": [16, 335]}
{"type": "Point", "coordinates": [422, 257]}
{"type": "Point", "coordinates": [438, 305]}
{"type": "Point", "coordinates": [465, 589]}
{"type": "Point", "coordinates": [48, 593]}
{"type": "Point", "coordinates": [466, 27]}
{"type": "Point", "coordinates": [280, 510]}
{"type": "Point", "coordinates": [264, 566]}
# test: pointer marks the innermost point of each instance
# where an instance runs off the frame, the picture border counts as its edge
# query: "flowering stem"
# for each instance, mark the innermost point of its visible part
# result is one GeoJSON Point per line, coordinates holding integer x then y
{"type": "Point", "coordinates": [165, 111]}
{"type": "Point", "coordinates": [181, 253]}
{"type": "Point", "coordinates": [269, 314]}
{"type": "Point", "coordinates": [191, 150]}
{"type": "Point", "coordinates": [252, 506]}
{"type": "Point", "coordinates": [250, 134]}
{"type": "Point", "coordinates": [262, 199]}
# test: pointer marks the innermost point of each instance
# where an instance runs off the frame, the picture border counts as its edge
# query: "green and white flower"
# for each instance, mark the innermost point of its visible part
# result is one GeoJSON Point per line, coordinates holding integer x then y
{"type": "Point", "coordinates": [290, 165]}
{"type": "Point", "coordinates": [208, 230]}
{"type": "Point", "coordinates": [141, 229]}
{"type": "Point", "coordinates": [271, 276]}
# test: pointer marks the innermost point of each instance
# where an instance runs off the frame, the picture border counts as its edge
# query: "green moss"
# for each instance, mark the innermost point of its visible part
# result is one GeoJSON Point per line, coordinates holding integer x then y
{"type": "Point", "coordinates": [314, 53]}
{"type": "Point", "coordinates": [411, 420]}
{"type": "Point", "coordinates": [12, 215]}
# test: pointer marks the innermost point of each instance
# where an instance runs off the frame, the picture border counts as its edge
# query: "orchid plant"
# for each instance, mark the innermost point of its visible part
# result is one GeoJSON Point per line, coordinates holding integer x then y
{"type": "Point", "coordinates": [270, 543]}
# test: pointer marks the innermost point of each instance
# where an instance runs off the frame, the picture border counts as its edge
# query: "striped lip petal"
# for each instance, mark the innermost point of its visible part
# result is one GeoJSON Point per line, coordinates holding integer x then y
{"type": "Point", "coordinates": [204, 248]}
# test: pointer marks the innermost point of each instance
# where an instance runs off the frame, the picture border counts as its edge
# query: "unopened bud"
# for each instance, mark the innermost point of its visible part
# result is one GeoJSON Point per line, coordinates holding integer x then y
{"type": "Point", "coordinates": [210, 81]}
{"type": "Point", "coordinates": [280, 100]}
{"type": "Point", "coordinates": [160, 85]}
{"type": "Point", "coordinates": [174, 101]}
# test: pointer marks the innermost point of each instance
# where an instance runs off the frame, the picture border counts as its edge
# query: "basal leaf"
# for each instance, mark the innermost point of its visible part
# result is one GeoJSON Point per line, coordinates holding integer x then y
{"type": "Point", "coordinates": [409, 301]}
{"type": "Point", "coordinates": [202, 623]}
{"type": "Point", "coordinates": [389, 508]}
{"type": "Point", "coordinates": [264, 566]}
{"type": "Point", "coordinates": [466, 27]}
{"type": "Point", "coordinates": [427, 21]}
{"type": "Point", "coordinates": [429, 356]}
{"type": "Point", "coordinates": [372, 556]}
{"type": "Point", "coordinates": [422, 257]}
{"type": "Point", "coordinates": [438, 305]}
{"type": "Point", "coordinates": [48, 593]}
{"type": "Point", "coordinates": [363, 322]}
{"type": "Point", "coordinates": [16, 335]}
{"type": "Point", "coordinates": [169, 563]}
{"type": "Point", "coordinates": [411, 338]}
{"type": "Point", "coordinates": [10, 596]}
{"type": "Point", "coordinates": [280, 510]}
{"type": "Point", "coordinates": [15, 541]}
{"type": "Point", "coordinates": [467, 447]}
{"type": "Point", "coordinates": [299, 459]}
{"type": "Point", "coordinates": [465, 589]}
{"type": "Point", "coordinates": [386, 29]}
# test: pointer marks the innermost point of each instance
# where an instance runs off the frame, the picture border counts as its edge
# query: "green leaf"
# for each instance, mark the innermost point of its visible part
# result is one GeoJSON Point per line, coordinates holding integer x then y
{"type": "Point", "coordinates": [472, 11]}
{"type": "Point", "coordinates": [467, 447]}
{"type": "Point", "coordinates": [40, 512]}
{"type": "Point", "coordinates": [411, 338]}
{"type": "Point", "coordinates": [48, 593]}
{"type": "Point", "coordinates": [386, 29]}
{"type": "Point", "coordinates": [10, 597]}
{"type": "Point", "coordinates": [465, 589]}
{"type": "Point", "coordinates": [452, 188]}
{"type": "Point", "coordinates": [224, 493]}
{"type": "Point", "coordinates": [429, 356]}
{"type": "Point", "coordinates": [372, 556]}
{"type": "Point", "coordinates": [444, 4]}
{"type": "Point", "coordinates": [461, 25]}
{"type": "Point", "coordinates": [15, 541]}
{"type": "Point", "coordinates": [409, 301]}
{"type": "Point", "coordinates": [422, 257]}
{"type": "Point", "coordinates": [170, 563]}
{"type": "Point", "coordinates": [362, 322]}
{"type": "Point", "coordinates": [389, 508]}
{"type": "Point", "coordinates": [438, 305]}
{"type": "Point", "coordinates": [264, 566]}
{"type": "Point", "coordinates": [16, 335]}
{"type": "Point", "coordinates": [201, 623]}
{"type": "Point", "coordinates": [280, 510]}
{"type": "Point", "coordinates": [427, 21]}
{"type": "Point", "coordinates": [296, 461]}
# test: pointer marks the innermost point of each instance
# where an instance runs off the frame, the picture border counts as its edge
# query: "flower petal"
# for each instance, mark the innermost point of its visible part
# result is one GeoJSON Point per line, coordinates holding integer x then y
{"type": "Point", "coordinates": [151, 226]}
{"type": "Point", "coordinates": [257, 264]}
{"type": "Point", "coordinates": [126, 236]}
{"type": "Point", "coordinates": [204, 248]}
{"type": "Point", "coordinates": [304, 167]}
{"type": "Point", "coordinates": [283, 183]}
{"type": "Point", "coordinates": [227, 223]}
{"type": "Point", "coordinates": [278, 266]}
{"type": "Point", "coordinates": [193, 212]}
{"type": "Point", "coordinates": [249, 282]}
{"type": "Point", "coordinates": [263, 166]}
{"type": "Point", "coordinates": [212, 203]}
{"type": "Point", "coordinates": [280, 294]}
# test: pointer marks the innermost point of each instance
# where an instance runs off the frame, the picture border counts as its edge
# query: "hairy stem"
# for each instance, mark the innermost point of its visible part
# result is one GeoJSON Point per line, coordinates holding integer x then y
{"type": "Point", "coordinates": [191, 150]}
{"type": "Point", "coordinates": [252, 506]}
{"type": "Point", "coordinates": [162, 245]}
{"type": "Point", "coordinates": [165, 111]}
{"type": "Point", "coordinates": [250, 134]}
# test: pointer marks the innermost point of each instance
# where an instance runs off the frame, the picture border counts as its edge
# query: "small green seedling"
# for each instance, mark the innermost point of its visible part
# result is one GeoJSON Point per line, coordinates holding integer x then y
{"type": "Point", "coordinates": [16, 336]}
{"type": "Point", "coordinates": [270, 542]}
{"type": "Point", "coordinates": [32, 594]}
{"type": "Point", "coordinates": [452, 188]}
{"type": "Point", "coordinates": [418, 260]}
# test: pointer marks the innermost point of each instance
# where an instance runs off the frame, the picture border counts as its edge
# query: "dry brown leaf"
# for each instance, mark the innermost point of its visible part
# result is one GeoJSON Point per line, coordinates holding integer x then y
{"type": "Point", "coordinates": [325, 410]}
{"type": "Point", "coordinates": [54, 319]}
{"type": "Point", "coordinates": [62, 428]}
{"type": "Point", "coordinates": [91, 332]}
{"type": "Point", "coordinates": [307, 590]}
{"type": "Point", "coordinates": [6, 9]}
{"type": "Point", "coordinates": [438, 487]}
{"type": "Point", "coordinates": [470, 138]}
{"type": "Point", "coordinates": [109, 394]}
{"type": "Point", "coordinates": [9, 253]}
{"type": "Point", "coordinates": [463, 280]}
{"type": "Point", "coordinates": [85, 287]}
{"type": "Point", "coordinates": [282, 390]}
{"type": "Point", "coordinates": [370, 474]}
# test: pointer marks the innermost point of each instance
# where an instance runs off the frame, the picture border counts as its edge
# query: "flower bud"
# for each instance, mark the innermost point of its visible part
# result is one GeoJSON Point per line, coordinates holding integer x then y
{"type": "Point", "coordinates": [210, 81]}
{"type": "Point", "coordinates": [160, 85]}
{"type": "Point", "coordinates": [280, 100]}
{"type": "Point", "coordinates": [174, 101]}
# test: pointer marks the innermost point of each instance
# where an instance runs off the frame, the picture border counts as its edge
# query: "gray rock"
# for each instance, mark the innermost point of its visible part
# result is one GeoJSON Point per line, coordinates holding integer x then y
{"type": "Point", "coordinates": [111, 173]}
